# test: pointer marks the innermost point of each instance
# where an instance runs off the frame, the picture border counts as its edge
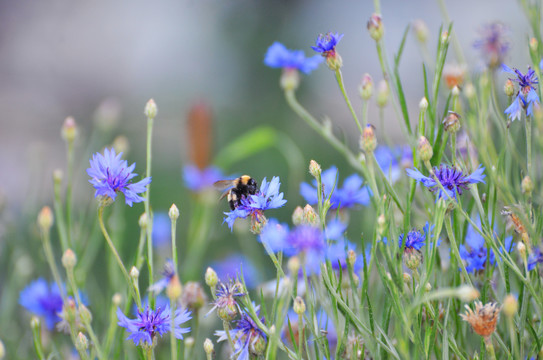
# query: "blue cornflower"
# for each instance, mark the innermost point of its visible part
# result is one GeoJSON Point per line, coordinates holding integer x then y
{"type": "Point", "coordinates": [415, 238]}
{"type": "Point", "coordinates": [474, 252]}
{"type": "Point", "coordinates": [249, 340]}
{"type": "Point", "coordinates": [148, 323]}
{"type": "Point", "coordinates": [278, 56]}
{"type": "Point", "coordinates": [44, 300]}
{"type": "Point", "coordinates": [326, 44]}
{"type": "Point", "coordinates": [493, 43]}
{"type": "Point", "coordinates": [351, 194]}
{"type": "Point", "coordinates": [452, 179]}
{"type": "Point", "coordinates": [110, 174]}
{"type": "Point", "coordinates": [526, 96]}
{"type": "Point", "coordinates": [225, 299]}
{"type": "Point", "coordinates": [197, 179]}
{"type": "Point", "coordinates": [536, 257]}
{"type": "Point", "coordinates": [267, 198]}
{"type": "Point", "coordinates": [392, 160]}
{"type": "Point", "coordinates": [230, 266]}
{"type": "Point", "coordinates": [162, 226]}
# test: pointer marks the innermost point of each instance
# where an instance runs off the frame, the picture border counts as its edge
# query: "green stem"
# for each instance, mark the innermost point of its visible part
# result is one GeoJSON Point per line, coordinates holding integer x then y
{"type": "Point", "coordinates": [147, 208]}
{"type": "Point", "coordinates": [456, 252]}
{"type": "Point", "coordinates": [490, 348]}
{"type": "Point", "coordinates": [69, 185]}
{"type": "Point", "coordinates": [339, 78]}
{"type": "Point", "coordinates": [173, 340]}
{"type": "Point", "coordinates": [300, 335]}
{"type": "Point", "coordinates": [139, 254]}
{"type": "Point", "coordinates": [37, 342]}
{"type": "Point", "coordinates": [116, 255]}
{"type": "Point", "coordinates": [174, 246]}
{"type": "Point", "coordinates": [59, 215]}
{"type": "Point", "coordinates": [52, 265]}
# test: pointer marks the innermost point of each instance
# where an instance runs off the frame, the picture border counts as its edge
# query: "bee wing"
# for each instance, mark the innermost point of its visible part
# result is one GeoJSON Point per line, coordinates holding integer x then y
{"type": "Point", "coordinates": [223, 184]}
{"type": "Point", "coordinates": [224, 195]}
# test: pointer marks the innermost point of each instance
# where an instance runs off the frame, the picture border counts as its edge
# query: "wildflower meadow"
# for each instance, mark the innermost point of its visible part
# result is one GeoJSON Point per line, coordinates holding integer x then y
{"type": "Point", "coordinates": [417, 236]}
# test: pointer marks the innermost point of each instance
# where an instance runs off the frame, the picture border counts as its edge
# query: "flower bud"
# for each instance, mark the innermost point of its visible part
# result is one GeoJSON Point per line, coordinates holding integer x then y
{"type": "Point", "coordinates": [293, 266]}
{"type": "Point", "coordinates": [121, 144]}
{"type": "Point", "coordinates": [299, 305]}
{"type": "Point", "coordinates": [451, 123]}
{"type": "Point", "coordinates": [412, 258]}
{"type": "Point", "coordinates": [383, 92]}
{"type": "Point", "coordinates": [375, 27]}
{"type": "Point", "coordinates": [425, 149]}
{"type": "Point", "coordinates": [117, 299]}
{"type": "Point", "coordinates": [368, 142]}
{"type": "Point", "coordinates": [150, 109]}
{"type": "Point", "coordinates": [334, 61]}
{"type": "Point", "coordinates": [174, 289]}
{"type": "Point", "coordinates": [407, 278]}
{"type": "Point", "coordinates": [173, 213]}
{"type": "Point", "coordinates": [208, 347]}
{"type": "Point", "coordinates": [81, 342]}
{"type": "Point", "coordinates": [351, 257]}
{"type": "Point", "coordinates": [69, 130]}
{"type": "Point", "coordinates": [69, 259]}
{"type": "Point", "coordinates": [421, 30]}
{"type": "Point", "coordinates": [381, 223]}
{"type": "Point", "coordinates": [310, 217]}
{"type": "Point", "coordinates": [366, 87]}
{"type": "Point", "coordinates": [85, 314]}
{"type": "Point", "coordinates": [297, 216]}
{"type": "Point", "coordinates": [510, 305]}
{"type": "Point", "coordinates": [193, 297]}
{"type": "Point", "coordinates": [454, 75]}
{"type": "Point", "coordinates": [315, 169]}
{"type": "Point", "coordinates": [527, 185]}
{"type": "Point", "coordinates": [134, 273]}
{"type": "Point", "coordinates": [211, 278]}
{"type": "Point", "coordinates": [35, 322]}
{"type": "Point", "coordinates": [467, 293]}
{"type": "Point", "coordinates": [455, 90]}
{"type": "Point", "coordinates": [258, 222]}
{"type": "Point", "coordinates": [423, 104]}
{"type": "Point", "coordinates": [533, 44]}
{"type": "Point", "coordinates": [57, 176]}
{"type": "Point", "coordinates": [189, 342]}
{"type": "Point", "coordinates": [428, 287]}
{"type": "Point", "coordinates": [290, 79]}
{"type": "Point", "coordinates": [143, 221]}
{"type": "Point", "coordinates": [521, 248]}
{"type": "Point", "coordinates": [45, 219]}
{"type": "Point", "coordinates": [444, 39]}
{"type": "Point", "coordinates": [509, 88]}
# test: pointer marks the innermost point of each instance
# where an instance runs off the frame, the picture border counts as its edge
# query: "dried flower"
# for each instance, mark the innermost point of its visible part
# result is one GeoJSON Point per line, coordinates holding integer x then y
{"type": "Point", "coordinates": [484, 319]}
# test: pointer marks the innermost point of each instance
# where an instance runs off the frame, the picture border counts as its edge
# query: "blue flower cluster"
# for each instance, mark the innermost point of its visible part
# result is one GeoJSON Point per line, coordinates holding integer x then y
{"type": "Point", "coordinates": [326, 43]}
{"type": "Point", "coordinates": [278, 56]}
{"type": "Point", "coordinates": [350, 194]}
{"type": "Point", "coordinates": [267, 198]}
{"type": "Point", "coordinates": [44, 300]}
{"type": "Point", "coordinates": [526, 96]}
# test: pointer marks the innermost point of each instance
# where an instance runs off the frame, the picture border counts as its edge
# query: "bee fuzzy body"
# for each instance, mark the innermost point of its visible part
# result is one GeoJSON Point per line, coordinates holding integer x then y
{"type": "Point", "coordinates": [239, 188]}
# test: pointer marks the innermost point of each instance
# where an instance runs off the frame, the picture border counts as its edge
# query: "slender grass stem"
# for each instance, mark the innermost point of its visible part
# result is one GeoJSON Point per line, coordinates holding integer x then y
{"type": "Point", "coordinates": [339, 78]}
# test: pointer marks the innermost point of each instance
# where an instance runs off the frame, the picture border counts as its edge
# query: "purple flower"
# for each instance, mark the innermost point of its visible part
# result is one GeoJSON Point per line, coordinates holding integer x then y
{"type": "Point", "coordinates": [249, 340]}
{"type": "Point", "coordinates": [326, 44]}
{"type": "Point", "coordinates": [493, 43]}
{"type": "Point", "coordinates": [267, 198]}
{"type": "Point", "coordinates": [452, 179]}
{"type": "Point", "coordinates": [278, 56]}
{"type": "Point", "coordinates": [225, 300]}
{"type": "Point", "coordinates": [415, 238]}
{"type": "Point", "coordinates": [44, 300]}
{"type": "Point", "coordinates": [536, 257]}
{"type": "Point", "coordinates": [351, 194]}
{"type": "Point", "coordinates": [110, 174]}
{"type": "Point", "coordinates": [197, 179]}
{"type": "Point", "coordinates": [230, 266]}
{"type": "Point", "coordinates": [148, 323]}
{"type": "Point", "coordinates": [474, 252]}
{"type": "Point", "coordinates": [526, 96]}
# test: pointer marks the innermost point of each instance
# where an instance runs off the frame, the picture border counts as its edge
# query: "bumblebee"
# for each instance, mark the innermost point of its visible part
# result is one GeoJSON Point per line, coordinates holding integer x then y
{"type": "Point", "coordinates": [236, 189]}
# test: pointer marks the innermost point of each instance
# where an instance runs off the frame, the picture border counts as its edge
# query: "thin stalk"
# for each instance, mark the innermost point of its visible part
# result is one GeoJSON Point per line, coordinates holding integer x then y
{"type": "Point", "coordinates": [59, 215]}
{"type": "Point", "coordinates": [52, 265]}
{"type": "Point", "coordinates": [37, 342]}
{"type": "Point", "coordinates": [148, 206]}
{"type": "Point", "coordinates": [69, 185]}
{"type": "Point", "coordinates": [173, 340]}
{"type": "Point", "coordinates": [456, 252]}
{"type": "Point", "coordinates": [339, 78]}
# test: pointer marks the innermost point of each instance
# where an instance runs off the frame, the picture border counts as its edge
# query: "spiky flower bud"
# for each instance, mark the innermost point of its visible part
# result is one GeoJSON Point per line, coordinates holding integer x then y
{"type": "Point", "coordinates": [509, 88]}
{"type": "Point", "coordinates": [423, 104]}
{"type": "Point", "coordinates": [412, 258]}
{"type": "Point", "coordinates": [81, 342]}
{"type": "Point", "coordinates": [455, 90]}
{"type": "Point", "coordinates": [297, 216]}
{"type": "Point", "coordinates": [428, 287]}
{"type": "Point", "coordinates": [208, 347]}
{"type": "Point", "coordinates": [85, 314]}
{"type": "Point", "coordinates": [299, 305]}
{"type": "Point", "coordinates": [173, 213]}
{"type": "Point", "coordinates": [211, 278]}
{"type": "Point", "coordinates": [117, 299]}
{"type": "Point", "coordinates": [368, 141]}
{"type": "Point", "coordinates": [351, 257]}
{"type": "Point", "coordinates": [310, 217]}
{"type": "Point", "coordinates": [425, 149]}
{"type": "Point", "coordinates": [315, 169]}
{"type": "Point", "coordinates": [69, 130]}
{"type": "Point", "coordinates": [383, 93]}
{"type": "Point", "coordinates": [510, 305]}
{"type": "Point", "coordinates": [366, 87]}
{"type": "Point", "coordinates": [45, 219]}
{"type": "Point", "coordinates": [150, 109]}
{"type": "Point", "coordinates": [467, 293]}
{"type": "Point", "coordinates": [421, 30]}
{"type": "Point", "coordinates": [134, 273]}
{"type": "Point", "coordinates": [407, 278]}
{"type": "Point", "coordinates": [451, 123]}
{"type": "Point", "coordinates": [69, 260]}
{"type": "Point", "coordinates": [484, 319]}
{"type": "Point", "coordinates": [290, 79]}
{"type": "Point", "coordinates": [193, 296]}
{"type": "Point", "coordinates": [376, 27]}
{"type": "Point", "coordinates": [293, 265]}
{"type": "Point", "coordinates": [143, 221]}
{"type": "Point", "coordinates": [527, 185]}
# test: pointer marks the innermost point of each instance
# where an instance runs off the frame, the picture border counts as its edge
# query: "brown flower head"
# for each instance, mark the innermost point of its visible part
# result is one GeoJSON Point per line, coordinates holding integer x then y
{"type": "Point", "coordinates": [484, 319]}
